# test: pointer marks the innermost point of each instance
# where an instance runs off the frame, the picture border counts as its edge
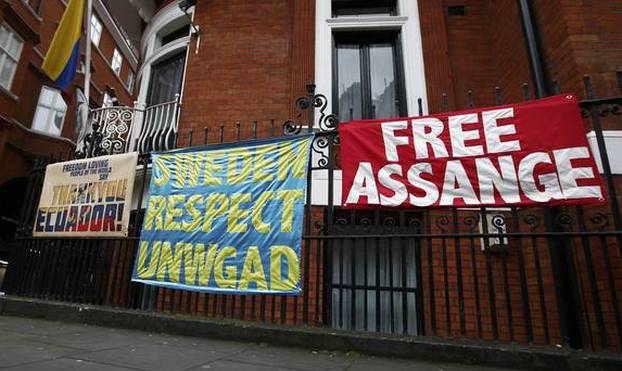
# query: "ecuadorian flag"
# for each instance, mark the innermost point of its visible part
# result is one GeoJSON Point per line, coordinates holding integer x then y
{"type": "Point", "coordinates": [61, 60]}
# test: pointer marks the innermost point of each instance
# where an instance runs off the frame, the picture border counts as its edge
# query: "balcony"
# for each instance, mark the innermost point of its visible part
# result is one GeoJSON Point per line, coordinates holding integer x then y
{"type": "Point", "coordinates": [120, 129]}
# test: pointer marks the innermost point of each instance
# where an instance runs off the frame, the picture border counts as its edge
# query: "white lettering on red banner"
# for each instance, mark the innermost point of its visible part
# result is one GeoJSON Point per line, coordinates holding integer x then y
{"type": "Point", "coordinates": [522, 154]}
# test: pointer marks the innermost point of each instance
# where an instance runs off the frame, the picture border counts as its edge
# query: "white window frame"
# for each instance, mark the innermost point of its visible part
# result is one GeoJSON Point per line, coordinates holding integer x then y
{"type": "Point", "coordinates": [406, 22]}
{"type": "Point", "coordinates": [53, 108]}
{"type": "Point", "coordinates": [117, 62]}
{"type": "Point", "coordinates": [4, 54]}
{"type": "Point", "coordinates": [96, 30]}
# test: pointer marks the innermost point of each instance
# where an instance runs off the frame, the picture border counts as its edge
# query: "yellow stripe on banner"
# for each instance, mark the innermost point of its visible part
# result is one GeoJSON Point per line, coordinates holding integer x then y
{"type": "Point", "coordinates": [67, 34]}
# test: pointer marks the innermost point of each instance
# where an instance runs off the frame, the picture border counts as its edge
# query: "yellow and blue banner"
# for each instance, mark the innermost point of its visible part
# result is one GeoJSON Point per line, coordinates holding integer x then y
{"type": "Point", "coordinates": [61, 60]}
{"type": "Point", "coordinates": [226, 218]}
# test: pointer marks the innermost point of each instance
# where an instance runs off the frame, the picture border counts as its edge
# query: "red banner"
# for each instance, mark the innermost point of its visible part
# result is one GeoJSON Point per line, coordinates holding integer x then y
{"type": "Point", "coordinates": [530, 153]}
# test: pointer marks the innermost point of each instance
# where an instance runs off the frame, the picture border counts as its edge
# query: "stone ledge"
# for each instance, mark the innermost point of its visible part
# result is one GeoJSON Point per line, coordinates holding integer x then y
{"type": "Point", "coordinates": [429, 349]}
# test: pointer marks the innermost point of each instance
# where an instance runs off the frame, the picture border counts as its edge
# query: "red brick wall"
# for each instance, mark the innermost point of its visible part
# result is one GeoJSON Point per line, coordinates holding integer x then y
{"type": "Point", "coordinates": [478, 51]}
{"type": "Point", "coordinates": [254, 58]}
{"type": "Point", "coordinates": [509, 58]}
{"type": "Point", "coordinates": [581, 37]}
{"type": "Point", "coordinates": [37, 31]}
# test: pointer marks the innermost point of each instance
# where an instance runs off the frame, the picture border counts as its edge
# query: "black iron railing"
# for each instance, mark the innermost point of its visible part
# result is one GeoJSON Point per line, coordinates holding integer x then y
{"type": "Point", "coordinates": [120, 129]}
{"type": "Point", "coordinates": [529, 275]}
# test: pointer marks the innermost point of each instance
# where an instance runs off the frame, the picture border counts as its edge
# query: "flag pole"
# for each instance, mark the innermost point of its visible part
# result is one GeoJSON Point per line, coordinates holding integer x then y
{"type": "Point", "coordinates": [87, 55]}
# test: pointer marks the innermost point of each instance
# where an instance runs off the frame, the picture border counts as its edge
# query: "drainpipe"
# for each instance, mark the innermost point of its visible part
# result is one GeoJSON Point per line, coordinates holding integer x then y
{"type": "Point", "coordinates": [535, 57]}
{"type": "Point", "coordinates": [560, 248]}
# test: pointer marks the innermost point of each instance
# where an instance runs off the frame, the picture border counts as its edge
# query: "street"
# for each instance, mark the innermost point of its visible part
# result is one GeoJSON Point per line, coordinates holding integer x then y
{"type": "Point", "coordinates": [30, 344]}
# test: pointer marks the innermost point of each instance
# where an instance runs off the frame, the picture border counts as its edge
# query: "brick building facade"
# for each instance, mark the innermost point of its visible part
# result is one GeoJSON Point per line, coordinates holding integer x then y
{"type": "Point", "coordinates": [253, 60]}
{"type": "Point", "coordinates": [231, 70]}
{"type": "Point", "coordinates": [22, 139]}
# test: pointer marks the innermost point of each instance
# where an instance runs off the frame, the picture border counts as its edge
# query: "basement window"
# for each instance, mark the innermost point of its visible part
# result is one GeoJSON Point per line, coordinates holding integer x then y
{"type": "Point", "coordinates": [354, 8]}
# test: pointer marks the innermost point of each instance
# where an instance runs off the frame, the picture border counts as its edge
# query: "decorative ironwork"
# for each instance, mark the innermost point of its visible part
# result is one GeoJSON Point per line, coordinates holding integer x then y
{"type": "Point", "coordinates": [91, 147]}
{"type": "Point", "coordinates": [309, 103]}
{"type": "Point", "coordinates": [472, 221]}
{"type": "Point", "coordinates": [498, 222]}
{"type": "Point", "coordinates": [326, 121]}
{"type": "Point", "coordinates": [414, 224]}
{"type": "Point", "coordinates": [600, 221]}
{"type": "Point", "coordinates": [319, 147]}
{"type": "Point", "coordinates": [115, 127]}
{"type": "Point", "coordinates": [564, 220]}
{"type": "Point", "coordinates": [159, 127]}
{"type": "Point", "coordinates": [111, 129]}
{"type": "Point", "coordinates": [533, 221]}
{"type": "Point", "coordinates": [442, 222]}
{"type": "Point", "coordinates": [326, 124]}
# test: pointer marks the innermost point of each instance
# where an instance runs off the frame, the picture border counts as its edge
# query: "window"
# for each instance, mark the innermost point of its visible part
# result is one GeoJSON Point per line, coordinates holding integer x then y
{"type": "Point", "coordinates": [166, 79]}
{"type": "Point", "coordinates": [175, 35]}
{"type": "Point", "coordinates": [367, 76]}
{"type": "Point", "coordinates": [131, 77]}
{"type": "Point", "coordinates": [349, 8]}
{"type": "Point", "coordinates": [117, 62]}
{"type": "Point", "coordinates": [96, 30]}
{"type": "Point", "coordinates": [35, 5]}
{"type": "Point", "coordinates": [10, 51]}
{"type": "Point", "coordinates": [398, 28]}
{"type": "Point", "coordinates": [50, 112]}
{"type": "Point", "coordinates": [108, 101]}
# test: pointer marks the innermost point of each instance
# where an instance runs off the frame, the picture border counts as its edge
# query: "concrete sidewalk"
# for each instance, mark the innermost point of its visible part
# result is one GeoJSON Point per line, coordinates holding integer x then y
{"type": "Point", "coordinates": [30, 344]}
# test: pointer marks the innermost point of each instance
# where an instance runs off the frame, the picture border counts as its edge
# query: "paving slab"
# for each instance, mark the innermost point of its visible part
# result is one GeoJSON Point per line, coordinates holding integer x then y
{"type": "Point", "coordinates": [9, 336]}
{"type": "Point", "coordinates": [227, 365]}
{"type": "Point", "coordinates": [91, 339]}
{"type": "Point", "coordinates": [24, 351]}
{"type": "Point", "coordinates": [67, 364]}
{"type": "Point", "coordinates": [295, 359]}
{"type": "Point", "coordinates": [38, 327]}
{"type": "Point", "coordinates": [47, 345]}
{"type": "Point", "coordinates": [155, 357]}
{"type": "Point", "coordinates": [374, 364]}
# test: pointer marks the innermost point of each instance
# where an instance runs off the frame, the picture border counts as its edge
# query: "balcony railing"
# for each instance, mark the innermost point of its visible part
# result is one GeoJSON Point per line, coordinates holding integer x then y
{"type": "Point", "coordinates": [120, 129]}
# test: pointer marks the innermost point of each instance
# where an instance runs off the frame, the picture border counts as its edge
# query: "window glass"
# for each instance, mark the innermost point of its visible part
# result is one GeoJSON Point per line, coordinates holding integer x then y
{"type": "Point", "coordinates": [4, 36]}
{"type": "Point", "coordinates": [50, 113]}
{"type": "Point", "coordinates": [14, 48]}
{"type": "Point", "coordinates": [131, 77]}
{"type": "Point", "coordinates": [166, 79]}
{"type": "Point", "coordinates": [96, 30]}
{"type": "Point", "coordinates": [175, 35]}
{"type": "Point", "coordinates": [10, 51]}
{"type": "Point", "coordinates": [382, 74]}
{"type": "Point", "coordinates": [367, 77]}
{"type": "Point", "coordinates": [7, 72]}
{"type": "Point", "coordinates": [349, 80]}
{"type": "Point", "coordinates": [47, 97]}
{"type": "Point", "coordinates": [357, 8]}
{"type": "Point", "coordinates": [117, 61]}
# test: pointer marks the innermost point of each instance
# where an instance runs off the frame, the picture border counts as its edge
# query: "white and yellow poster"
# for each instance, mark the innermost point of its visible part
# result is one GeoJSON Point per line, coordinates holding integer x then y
{"type": "Point", "coordinates": [87, 198]}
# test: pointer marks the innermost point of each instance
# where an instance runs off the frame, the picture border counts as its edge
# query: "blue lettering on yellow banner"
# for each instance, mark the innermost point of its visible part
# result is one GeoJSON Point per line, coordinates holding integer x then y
{"type": "Point", "coordinates": [226, 218]}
